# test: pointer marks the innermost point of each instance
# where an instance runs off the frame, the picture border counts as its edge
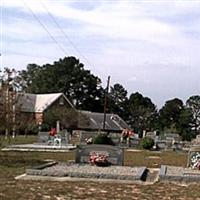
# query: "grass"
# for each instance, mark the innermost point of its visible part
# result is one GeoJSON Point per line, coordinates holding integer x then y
{"type": "Point", "coordinates": [15, 163]}
{"type": "Point", "coordinates": [17, 140]}
{"type": "Point", "coordinates": [155, 159]}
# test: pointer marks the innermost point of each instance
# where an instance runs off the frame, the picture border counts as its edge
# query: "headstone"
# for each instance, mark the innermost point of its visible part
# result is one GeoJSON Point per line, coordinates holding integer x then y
{"type": "Point", "coordinates": [115, 138]}
{"type": "Point", "coordinates": [169, 141]}
{"type": "Point", "coordinates": [43, 137]}
{"type": "Point", "coordinates": [115, 154]}
{"type": "Point", "coordinates": [143, 133]}
{"type": "Point", "coordinates": [198, 139]}
{"type": "Point", "coordinates": [151, 135]}
{"type": "Point", "coordinates": [64, 134]}
{"type": "Point", "coordinates": [134, 142]}
{"type": "Point", "coordinates": [57, 126]}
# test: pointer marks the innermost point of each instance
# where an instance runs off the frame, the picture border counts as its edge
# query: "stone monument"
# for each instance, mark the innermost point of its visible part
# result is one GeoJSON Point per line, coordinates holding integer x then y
{"type": "Point", "coordinates": [114, 154]}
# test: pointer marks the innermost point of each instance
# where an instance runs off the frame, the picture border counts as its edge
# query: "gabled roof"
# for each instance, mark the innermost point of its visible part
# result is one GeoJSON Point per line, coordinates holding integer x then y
{"type": "Point", "coordinates": [37, 102]}
{"type": "Point", "coordinates": [113, 121]}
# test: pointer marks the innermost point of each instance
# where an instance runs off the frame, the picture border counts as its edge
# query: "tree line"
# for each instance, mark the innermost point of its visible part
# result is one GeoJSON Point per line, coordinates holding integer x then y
{"type": "Point", "coordinates": [86, 92]}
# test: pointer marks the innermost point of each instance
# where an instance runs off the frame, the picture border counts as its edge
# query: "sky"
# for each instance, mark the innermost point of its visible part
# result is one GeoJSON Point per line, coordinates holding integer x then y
{"type": "Point", "coordinates": [151, 47]}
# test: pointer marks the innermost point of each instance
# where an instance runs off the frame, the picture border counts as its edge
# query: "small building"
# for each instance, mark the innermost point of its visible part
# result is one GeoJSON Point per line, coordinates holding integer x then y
{"type": "Point", "coordinates": [33, 106]}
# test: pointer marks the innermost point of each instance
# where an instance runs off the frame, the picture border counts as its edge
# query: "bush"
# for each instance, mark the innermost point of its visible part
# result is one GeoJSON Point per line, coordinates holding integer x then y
{"type": "Point", "coordinates": [147, 143]}
{"type": "Point", "coordinates": [32, 129]}
{"type": "Point", "coordinates": [103, 139]}
{"type": "Point", "coordinates": [45, 127]}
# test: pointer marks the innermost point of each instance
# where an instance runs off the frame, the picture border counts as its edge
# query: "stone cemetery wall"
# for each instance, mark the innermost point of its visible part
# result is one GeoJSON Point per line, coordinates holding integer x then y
{"type": "Point", "coordinates": [115, 154]}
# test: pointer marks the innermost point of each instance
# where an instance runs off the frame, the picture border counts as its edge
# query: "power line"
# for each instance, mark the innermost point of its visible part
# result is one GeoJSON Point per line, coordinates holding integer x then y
{"type": "Point", "coordinates": [43, 26]}
{"type": "Point", "coordinates": [52, 37]}
{"type": "Point", "coordinates": [67, 37]}
{"type": "Point", "coordinates": [63, 32]}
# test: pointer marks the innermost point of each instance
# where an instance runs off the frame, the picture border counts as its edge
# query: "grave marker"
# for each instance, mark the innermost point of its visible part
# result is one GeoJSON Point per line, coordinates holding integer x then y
{"type": "Point", "coordinates": [45, 138]}
{"type": "Point", "coordinates": [115, 154]}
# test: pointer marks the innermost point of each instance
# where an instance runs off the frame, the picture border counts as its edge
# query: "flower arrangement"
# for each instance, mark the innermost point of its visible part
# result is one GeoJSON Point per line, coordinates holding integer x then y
{"type": "Point", "coordinates": [99, 159]}
{"type": "Point", "coordinates": [195, 161]}
{"type": "Point", "coordinates": [126, 135]}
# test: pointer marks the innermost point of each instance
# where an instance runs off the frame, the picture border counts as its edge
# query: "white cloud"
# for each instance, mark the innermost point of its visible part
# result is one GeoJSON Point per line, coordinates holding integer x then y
{"type": "Point", "coordinates": [150, 47]}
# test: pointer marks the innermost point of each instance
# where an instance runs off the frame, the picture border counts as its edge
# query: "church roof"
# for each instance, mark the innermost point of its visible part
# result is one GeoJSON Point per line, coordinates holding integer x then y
{"type": "Point", "coordinates": [37, 102]}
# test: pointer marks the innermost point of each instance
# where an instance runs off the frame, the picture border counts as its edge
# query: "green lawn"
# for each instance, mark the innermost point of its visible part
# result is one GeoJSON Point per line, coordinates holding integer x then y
{"type": "Point", "coordinates": [15, 163]}
{"type": "Point", "coordinates": [17, 140]}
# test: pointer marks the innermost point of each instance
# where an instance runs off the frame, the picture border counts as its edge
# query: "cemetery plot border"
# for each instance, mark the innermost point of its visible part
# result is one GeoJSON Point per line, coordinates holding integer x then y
{"type": "Point", "coordinates": [179, 174]}
{"type": "Point", "coordinates": [88, 171]}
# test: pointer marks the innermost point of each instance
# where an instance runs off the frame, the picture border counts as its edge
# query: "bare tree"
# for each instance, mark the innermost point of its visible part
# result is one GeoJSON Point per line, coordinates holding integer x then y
{"type": "Point", "coordinates": [8, 108]}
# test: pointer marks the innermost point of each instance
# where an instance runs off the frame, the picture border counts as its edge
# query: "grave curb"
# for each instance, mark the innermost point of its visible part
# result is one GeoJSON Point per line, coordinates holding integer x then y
{"type": "Point", "coordinates": [184, 178]}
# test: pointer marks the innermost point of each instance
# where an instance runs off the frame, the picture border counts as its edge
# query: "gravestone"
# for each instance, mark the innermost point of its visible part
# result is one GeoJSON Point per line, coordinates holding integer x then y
{"type": "Point", "coordinates": [45, 138]}
{"type": "Point", "coordinates": [115, 138]}
{"type": "Point", "coordinates": [198, 139]}
{"type": "Point", "coordinates": [151, 135]}
{"type": "Point", "coordinates": [64, 134]}
{"type": "Point", "coordinates": [168, 141]}
{"type": "Point", "coordinates": [134, 142]}
{"type": "Point", "coordinates": [115, 154]}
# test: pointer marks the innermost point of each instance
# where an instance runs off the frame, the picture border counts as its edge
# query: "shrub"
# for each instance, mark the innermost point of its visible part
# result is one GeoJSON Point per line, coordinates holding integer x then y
{"type": "Point", "coordinates": [32, 128]}
{"type": "Point", "coordinates": [45, 127]}
{"type": "Point", "coordinates": [147, 143]}
{"type": "Point", "coordinates": [103, 139]}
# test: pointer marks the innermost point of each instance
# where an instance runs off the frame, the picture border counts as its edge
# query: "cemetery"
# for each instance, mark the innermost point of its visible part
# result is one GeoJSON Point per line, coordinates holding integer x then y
{"type": "Point", "coordinates": [76, 169]}
{"type": "Point", "coordinates": [105, 162]}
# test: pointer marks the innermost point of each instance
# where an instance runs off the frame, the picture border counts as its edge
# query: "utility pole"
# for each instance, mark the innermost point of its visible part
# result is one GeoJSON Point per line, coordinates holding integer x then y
{"type": "Point", "coordinates": [105, 102]}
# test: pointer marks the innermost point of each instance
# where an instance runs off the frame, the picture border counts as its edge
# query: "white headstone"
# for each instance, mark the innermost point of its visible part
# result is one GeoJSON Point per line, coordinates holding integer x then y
{"type": "Point", "coordinates": [57, 126]}
{"type": "Point", "coordinates": [143, 133]}
{"type": "Point", "coordinates": [198, 139]}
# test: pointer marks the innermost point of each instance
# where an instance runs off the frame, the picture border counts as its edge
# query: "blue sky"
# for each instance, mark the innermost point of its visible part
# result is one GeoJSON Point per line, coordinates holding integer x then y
{"type": "Point", "coordinates": [147, 46]}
